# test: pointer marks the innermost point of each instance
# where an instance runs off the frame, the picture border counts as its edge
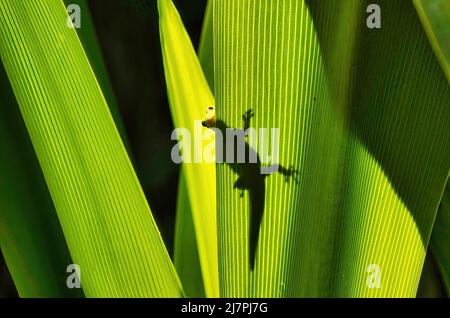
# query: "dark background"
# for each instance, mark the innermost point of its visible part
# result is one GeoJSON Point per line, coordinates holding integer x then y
{"type": "Point", "coordinates": [128, 34]}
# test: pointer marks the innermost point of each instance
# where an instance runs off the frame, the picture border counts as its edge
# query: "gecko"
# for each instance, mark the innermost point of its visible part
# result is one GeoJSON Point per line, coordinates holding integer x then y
{"type": "Point", "coordinates": [249, 175]}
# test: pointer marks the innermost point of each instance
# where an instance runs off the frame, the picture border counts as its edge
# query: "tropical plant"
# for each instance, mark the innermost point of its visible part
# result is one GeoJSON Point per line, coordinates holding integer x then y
{"type": "Point", "coordinates": [363, 116]}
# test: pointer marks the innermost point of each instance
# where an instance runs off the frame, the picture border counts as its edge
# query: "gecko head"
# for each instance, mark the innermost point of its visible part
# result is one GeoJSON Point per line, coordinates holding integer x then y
{"type": "Point", "coordinates": [209, 120]}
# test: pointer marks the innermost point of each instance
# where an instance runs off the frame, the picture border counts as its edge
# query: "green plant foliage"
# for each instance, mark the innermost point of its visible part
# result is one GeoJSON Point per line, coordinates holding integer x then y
{"type": "Point", "coordinates": [186, 256]}
{"type": "Point", "coordinates": [31, 238]}
{"type": "Point", "coordinates": [431, 283]}
{"type": "Point", "coordinates": [441, 236]}
{"type": "Point", "coordinates": [88, 38]}
{"type": "Point", "coordinates": [105, 218]}
{"type": "Point", "coordinates": [435, 16]}
{"type": "Point", "coordinates": [189, 97]}
{"type": "Point", "coordinates": [206, 48]}
{"type": "Point", "coordinates": [31, 263]}
{"type": "Point", "coordinates": [364, 153]}
{"type": "Point", "coordinates": [363, 117]}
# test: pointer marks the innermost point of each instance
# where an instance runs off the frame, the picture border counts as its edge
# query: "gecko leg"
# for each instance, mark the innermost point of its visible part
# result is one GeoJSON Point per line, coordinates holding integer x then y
{"type": "Point", "coordinates": [288, 173]}
{"type": "Point", "coordinates": [247, 117]}
{"type": "Point", "coordinates": [239, 184]}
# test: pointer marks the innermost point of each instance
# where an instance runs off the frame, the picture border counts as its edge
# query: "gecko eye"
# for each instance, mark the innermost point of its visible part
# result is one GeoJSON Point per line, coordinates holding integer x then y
{"type": "Point", "coordinates": [209, 120]}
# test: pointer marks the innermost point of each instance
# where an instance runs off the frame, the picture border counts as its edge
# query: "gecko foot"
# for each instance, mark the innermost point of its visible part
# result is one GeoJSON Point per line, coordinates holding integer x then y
{"type": "Point", "coordinates": [289, 173]}
{"type": "Point", "coordinates": [249, 114]}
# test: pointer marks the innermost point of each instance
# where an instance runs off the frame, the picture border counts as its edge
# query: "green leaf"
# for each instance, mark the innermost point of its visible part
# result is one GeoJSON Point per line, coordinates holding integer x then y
{"type": "Point", "coordinates": [431, 283]}
{"type": "Point", "coordinates": [31, 238]}
{"type": "Point", "coordinates": [441, 236]}
{"type": "Point", "coordinates": [102, 209]}
{"type": "Point", "coordinates": [206, 47]}
{"type": "Point", "coordinates": [189, 97]}
{"type": "Point", "coordinates": [30, 221]}
{"type": "Point", "coordinates": [435, 17]}
{"type": "Point", "coordinates": [88, 38]}
{"type": "Point", "coordinates": [186, 258]}
{"type": "Point", "coordinates": [363, 117]}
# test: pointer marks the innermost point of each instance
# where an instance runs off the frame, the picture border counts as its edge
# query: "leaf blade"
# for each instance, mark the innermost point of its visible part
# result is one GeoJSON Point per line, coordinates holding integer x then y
{"type": "Point", "coordinates": [441, 236]}
{"type": "Point", "coordinates": [367, 133]}
{"type": "Point", "coordinates": [186, 258]}
{"type": "Point", "coordinates": [31, 238]}
{"type": "Point", "coordinates": [435, 16]}
{"type": "Point", "coordinates": [106, 220]}
{"type": "Point", "coordinates": [189, 97]}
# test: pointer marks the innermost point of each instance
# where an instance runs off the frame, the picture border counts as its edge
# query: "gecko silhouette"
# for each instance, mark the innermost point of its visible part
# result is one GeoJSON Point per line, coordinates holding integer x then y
{"type": "Point", "coordinates": [249, 174]}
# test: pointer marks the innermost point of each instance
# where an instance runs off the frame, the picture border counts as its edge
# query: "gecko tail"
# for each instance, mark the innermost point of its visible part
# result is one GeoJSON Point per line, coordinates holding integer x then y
{"type": "Point", "coordinates": [257, 197]}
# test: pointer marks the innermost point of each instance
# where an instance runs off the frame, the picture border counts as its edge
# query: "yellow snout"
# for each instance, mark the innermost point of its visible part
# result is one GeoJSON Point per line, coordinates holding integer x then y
{"type": "Point", "coordinates": [209, 120]}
